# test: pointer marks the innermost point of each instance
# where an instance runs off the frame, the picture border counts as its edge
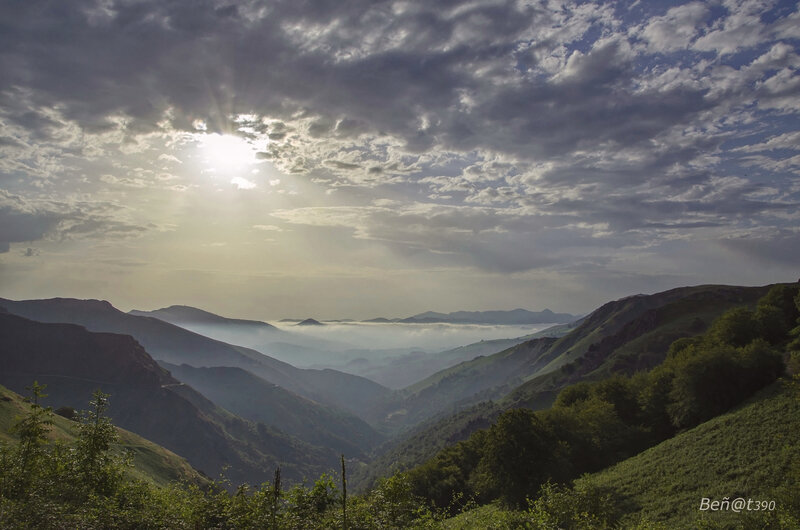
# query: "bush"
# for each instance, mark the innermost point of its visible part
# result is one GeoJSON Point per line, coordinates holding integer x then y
{"type": "Point", "coordinates": [582, 508]}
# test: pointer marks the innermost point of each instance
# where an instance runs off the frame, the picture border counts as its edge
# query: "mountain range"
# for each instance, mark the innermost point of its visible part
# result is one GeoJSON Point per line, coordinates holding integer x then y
{"type": "Point", "coordinates": [238, 407]}
{"type": "Point", "coordinates": [176, 345]}
{"type": "Point", "coordinates": [514, 317]}
{"type": "Point", "coordinates": [147, 400]}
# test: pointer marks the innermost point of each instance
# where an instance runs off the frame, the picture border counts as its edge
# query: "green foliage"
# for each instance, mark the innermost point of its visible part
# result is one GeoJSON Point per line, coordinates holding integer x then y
{"type": "Point", "coordinates": [785, 299]}
{"type": "Point", "coordinates": [595, 424]}
{"type": "Point", "coordinates": [737, 327]}
{"type": "Point", "coordinates": [585, 507]}
{"type": "Point", "coordinates": [710, 380]}
{"type": "Point", "coordinates": [520, 454]}
{"type": "Point", "coordinates": [22, 468]}
{"type": "Point", "coordinates": [750, 452]}
{"type": "Point", "coordinates": [96, 468]}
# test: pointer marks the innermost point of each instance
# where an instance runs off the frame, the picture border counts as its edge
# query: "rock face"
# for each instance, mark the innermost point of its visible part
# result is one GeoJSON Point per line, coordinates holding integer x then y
{"type": "Point", "coordinates": [145, 399]}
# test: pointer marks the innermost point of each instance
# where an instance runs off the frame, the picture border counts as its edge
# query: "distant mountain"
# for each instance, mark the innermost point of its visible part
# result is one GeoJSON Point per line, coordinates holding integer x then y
{"type": "Point", "coordinates": [145, 399]}
{"type": "Point", "coordinates": [310, 322]}
{"type": "Point", "coordinates": [253, 398]}
{"type": "Point", "coordinates": [513, 317]}
{"type": "Point", "coordinates": [176, 345]}
{"type": "Point", "coordinates": [295, 348]}
{"type": "Point", "coordinates": [177, 314]}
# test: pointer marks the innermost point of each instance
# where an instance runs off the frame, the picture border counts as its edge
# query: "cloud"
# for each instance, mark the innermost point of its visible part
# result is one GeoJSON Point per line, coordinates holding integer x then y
{"type": "Point", "coordinates": [268, 228]}
{"type": "Point", "coordinates": [780, 247]}
{"type": "Point", "coordinates": [242, 183]}
{"type": "Point", "coordinates": [23, 220]}
{"type": "Point", "coordinates": [505, 136]}
{"type": "Point", "coordinates": [676, 29]}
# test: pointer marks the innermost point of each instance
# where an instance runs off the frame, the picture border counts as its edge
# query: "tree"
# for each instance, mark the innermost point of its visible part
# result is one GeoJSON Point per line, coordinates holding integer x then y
{"type": "Point", "coordinates": [736, 327]}
{"type": "Point", "coordinates": [520, 455]}
{"type": "Point", "coordinates": [97, 470]}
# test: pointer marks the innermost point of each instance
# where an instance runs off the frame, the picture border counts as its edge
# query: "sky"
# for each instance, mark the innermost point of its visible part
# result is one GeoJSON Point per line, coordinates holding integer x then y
{"type": "Point", "coordinates": [353, 159]}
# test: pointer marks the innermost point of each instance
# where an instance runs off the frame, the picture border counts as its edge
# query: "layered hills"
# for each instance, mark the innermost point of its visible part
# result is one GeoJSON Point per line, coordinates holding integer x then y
{"type": "Point", "coordinates": [253, 398]}
{"type": "Point", "coordinates": [176, 345]}
{"type": "Point", "coordinates": [147, 400]}
{"type": "Point", "coordinates": [622, 336]}
{"type": "Point", "coordinates": [185, 314]}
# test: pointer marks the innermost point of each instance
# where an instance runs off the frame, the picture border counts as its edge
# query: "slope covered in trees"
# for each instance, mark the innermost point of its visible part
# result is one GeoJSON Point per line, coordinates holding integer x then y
{"type": "Point", "coordinates": [526, 464]}
{"type": "Point", "coordinates": [621, 337]}
{"type": "Point", "coordinates": [595, 424]}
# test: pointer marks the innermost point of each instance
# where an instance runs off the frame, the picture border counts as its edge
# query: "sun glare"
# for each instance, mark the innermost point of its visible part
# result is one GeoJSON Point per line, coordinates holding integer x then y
{"type": "Point", "coordinates": [226, 154]}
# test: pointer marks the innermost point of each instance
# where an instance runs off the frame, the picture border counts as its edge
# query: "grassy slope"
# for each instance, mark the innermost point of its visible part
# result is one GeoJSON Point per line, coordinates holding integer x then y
{"type": "Point", "coordinates": [744, 453]}
{"type": "Point", "coordinates": [151, 461]}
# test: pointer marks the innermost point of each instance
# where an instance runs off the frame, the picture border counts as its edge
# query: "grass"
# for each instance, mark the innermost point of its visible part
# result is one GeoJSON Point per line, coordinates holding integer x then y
{"type": "Point", "coordinates": [748, 452]}
{"type": "Point", "coordinates": [151, 462]}
{"type": "Point", "coordinates": [744, 453]}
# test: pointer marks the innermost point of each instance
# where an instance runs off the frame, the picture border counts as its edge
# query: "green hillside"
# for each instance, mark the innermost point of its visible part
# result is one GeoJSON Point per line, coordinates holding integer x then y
{"type": "Point", "coordinates": [255, 399]}
{"type": "Point", "coordinates": [624, 336]}
{"type": "Point", "coordinates": [746, 453]}
{"type": "Point", "coordinates": [151, 462]}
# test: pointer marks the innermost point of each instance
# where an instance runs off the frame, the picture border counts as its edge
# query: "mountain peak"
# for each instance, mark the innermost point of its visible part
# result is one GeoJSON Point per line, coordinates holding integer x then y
{"type": "Point", "coordinates": [310, 322]}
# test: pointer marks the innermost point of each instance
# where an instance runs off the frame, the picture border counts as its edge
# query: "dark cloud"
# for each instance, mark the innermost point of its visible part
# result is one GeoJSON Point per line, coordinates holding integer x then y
{"type": "Point", "coordinates": [205, 61]}
{"type": "Point", "coordinates": [538, 134]}
{"type": "Point", "coordinates": [23, 220]}
{"type": "Point", "coordinates": [781, 248]}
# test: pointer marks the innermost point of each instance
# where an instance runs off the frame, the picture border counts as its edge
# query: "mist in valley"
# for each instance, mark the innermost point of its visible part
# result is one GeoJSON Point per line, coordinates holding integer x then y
{"type": "Point", "coordinates": [393, 354]}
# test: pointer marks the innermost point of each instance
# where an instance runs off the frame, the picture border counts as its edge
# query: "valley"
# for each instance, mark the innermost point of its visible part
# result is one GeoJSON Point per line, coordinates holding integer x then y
{"type": "Point", "coordinates": [231, 410]}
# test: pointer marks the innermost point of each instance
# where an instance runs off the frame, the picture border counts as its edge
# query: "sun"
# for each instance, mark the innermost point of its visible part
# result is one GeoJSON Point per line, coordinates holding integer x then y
{"type": "Point", "coordinates": [227, 154]}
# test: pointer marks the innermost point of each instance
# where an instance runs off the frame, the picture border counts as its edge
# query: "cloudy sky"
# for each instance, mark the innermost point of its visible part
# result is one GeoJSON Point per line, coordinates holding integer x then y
{"type": "Point", "coordinates": [357, 158]}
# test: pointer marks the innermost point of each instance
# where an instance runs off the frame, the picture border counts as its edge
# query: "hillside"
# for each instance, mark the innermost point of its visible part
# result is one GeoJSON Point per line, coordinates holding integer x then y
{"type": "Point", "coordinates": [410, 369]}
{"type": "Point", "coordinates": [630, 335]}
{"type": "Point", "coordinates": [151, 462]}
{"type": "Point", "coordinates": [173, 344]}
{"type": "Point", "coordinates": [253, 398]}
{"type": "Point", "coordinates": [619, 337]}
{"type": "Point", "coordinates": [748, 452]}
{"type": "Point", "coordinates": [744, 453]}
{"type": "Point", "coordinates": [622, 336]}
{"type": "Point", "coordinates": [145, 399]}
